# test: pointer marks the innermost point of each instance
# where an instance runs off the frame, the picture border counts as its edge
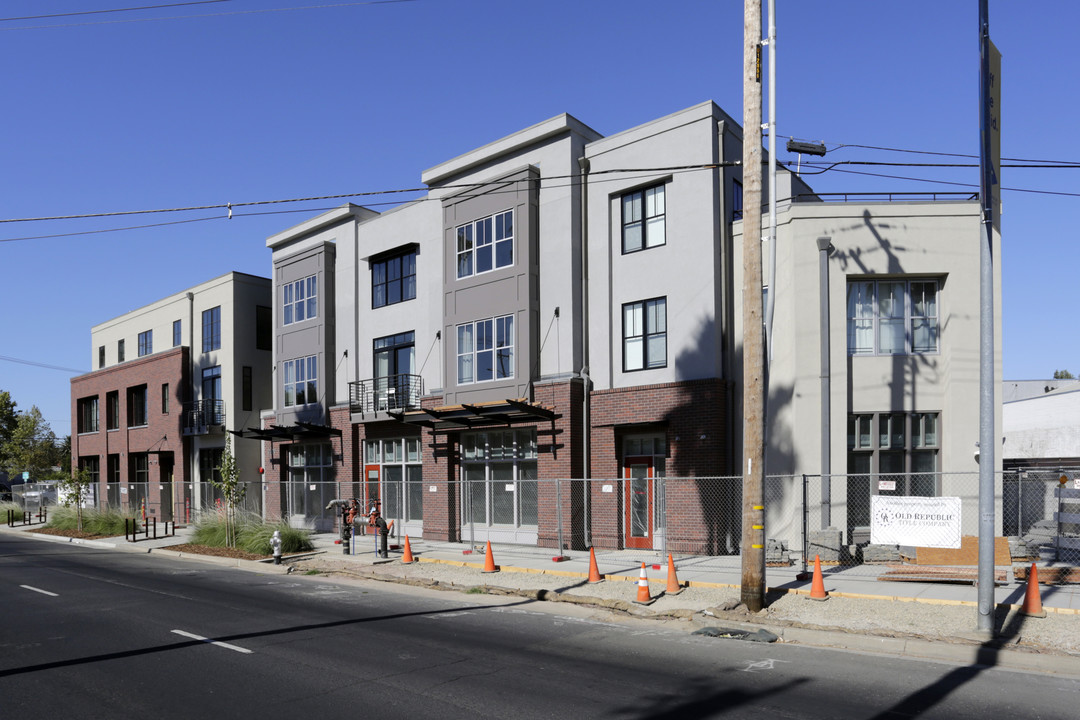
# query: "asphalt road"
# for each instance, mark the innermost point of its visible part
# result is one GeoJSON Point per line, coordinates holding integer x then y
{"type": "Point", "coordinates": [90, 633]}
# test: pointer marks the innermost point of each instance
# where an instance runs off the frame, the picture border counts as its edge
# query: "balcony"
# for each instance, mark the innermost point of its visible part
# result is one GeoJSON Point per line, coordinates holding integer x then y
{"type": "Point", "coordinates": [393, 392]}
{"type": "Point", "coordinates": [202, 416]}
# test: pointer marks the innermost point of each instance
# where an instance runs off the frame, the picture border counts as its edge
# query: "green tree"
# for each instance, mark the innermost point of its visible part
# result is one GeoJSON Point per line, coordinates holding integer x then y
{"type": "Point", "coordinates": [232, 490]}
{"type": "Point", "coordinates": [31, 447]}
{"type": "Point", "coordinates": [1063, 375]}
{"type": "Point", "coordinates": [9, 418]}
{"type": "Point", "coordinates": [74, 489]}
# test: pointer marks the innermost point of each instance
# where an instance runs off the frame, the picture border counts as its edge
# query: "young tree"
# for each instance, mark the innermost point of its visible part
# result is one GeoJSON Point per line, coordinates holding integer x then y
{"type": "Point", "coordinates": [8, 420]}
{"type": "Point", "coordinates": [231, 489]}
{"type": "Point", "coordinates": [74, 489]}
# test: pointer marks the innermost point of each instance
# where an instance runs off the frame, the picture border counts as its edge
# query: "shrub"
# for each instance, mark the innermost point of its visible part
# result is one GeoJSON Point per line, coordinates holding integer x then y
{"type": "Point", "coordinates": [252, 534]}
{"type": "Point", "coordinates": [94, 522]}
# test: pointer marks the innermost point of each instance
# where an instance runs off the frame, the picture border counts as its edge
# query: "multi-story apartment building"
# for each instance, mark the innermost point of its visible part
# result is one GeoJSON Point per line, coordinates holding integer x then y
{"type": "Point", "coordinates": [170, 378]}
{"type": "Point", "coordinates": [566, 305]}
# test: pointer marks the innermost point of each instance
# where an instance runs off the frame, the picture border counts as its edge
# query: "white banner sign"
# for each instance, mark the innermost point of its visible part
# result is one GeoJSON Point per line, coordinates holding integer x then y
{"type": "Point", "coordinates": [919, 521]}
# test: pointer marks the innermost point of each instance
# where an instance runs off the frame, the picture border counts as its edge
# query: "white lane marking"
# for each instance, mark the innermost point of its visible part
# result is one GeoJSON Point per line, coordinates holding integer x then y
{"type": "Point", "coordinates": [39, 590]}
{"type": "Point", "coordinates": [454, 614]}
{"type": "Point", "coordinates": [227, 646]}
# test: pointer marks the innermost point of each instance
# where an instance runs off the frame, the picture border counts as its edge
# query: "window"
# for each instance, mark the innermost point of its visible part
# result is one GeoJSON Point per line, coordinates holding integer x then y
{"type": "Point", "coordinates": [213, 407]}
{"type": "Point", "coordinates": [890, 454]}
{"type": "Point", "coordinates": [92, 465]}
{"type": "Point", "coordinates": [643, 219]}
{"type": "Point", "coordinates": [736, 200]}
{"type": "Point", "coordinates": [146, 343]}
{"type": "Point", "coordinates": [892, 317]}
{"type": "Point", "coordinates": [245, 391]}
{"type": "Point", "coordinates": [211, 329]}
{"type": "Point", "coordinates": [401, 475]}
{"type": "Point", "coordinates": [485, 244]}
{"type": "Point", "coordinates": [299, 300]}
{"type": "Point", "coordinates": [88, 415]}
{"type": "Point", "coordinates": [393, 280]}
{"type": "Point", "coordinates": [138, 410]}
{"type": "Point", "coordinates": [498, 474]}
{"type": "Point", "coordinates": [140, 468]}
{"type": "Point", "coordinates": [177, 339]}
{"type": "Point", "coordinates": [264, 328]}
{"type": "Point", "coordinates": [112, 410]}
{"type": "Point", "coordinates": [645, 334]}
{"type": "Point", "coordinates": [310, 476]}
{"type": "Point", "coordinates": [119, 351]}
{"type": "Point", "coordinates": [395, 386]}
{"type": "Point", "coordinates": [301, 381]}
{"type": "Point", "coordinates": [165, 398]}
{"type": "Point", "coordinates": [101, 356]}
{"type": "Point", "coordinates": [485, 350]}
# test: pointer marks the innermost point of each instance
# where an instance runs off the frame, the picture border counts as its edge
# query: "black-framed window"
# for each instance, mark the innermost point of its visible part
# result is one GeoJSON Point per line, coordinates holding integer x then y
{"type": "Point", "coordinates": [177, 338]}
{"type": "Point", "coordinates": [736, 200]}
{"type": "Point", "coordinates": [643, 219]}
{"type": "Point", "coordinates": [92, 465]}
{"type": "Point", "coordinates": [892, 316]}
{"type": "Point", "coordinates": [146, 343]}
{"type": "Point", "coordinates": [299, 300]}
{"type": "Point", "coordinates": [645, 334]}
{"type": "Point", "coordinates": [101, 356]}
{"type": "Point", "coordinates": [395, 354]}
{"type": "Point", "coordinates": [112, 410]}
{"type": "Point", "coordinates": [485, 244]}
{"type": "Point", "coordinates": [164, 398]}
{"type": "Point", "coordinates": [393, 279]}
{"type": "Point", "coordinates": [138, 406]}
{"type": "Point", "coordinates": [120, 351]}
{"type": "Point", "coordinates": [246, 388]}
{"type": "Point", "coordinates": [211, 329]}
{"type": "Point", "coordinates": [88, 415]}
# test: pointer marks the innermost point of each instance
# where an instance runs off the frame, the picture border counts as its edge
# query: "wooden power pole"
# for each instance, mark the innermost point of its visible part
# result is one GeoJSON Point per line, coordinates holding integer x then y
{"type": "Point", "coordinates": [753, 503]}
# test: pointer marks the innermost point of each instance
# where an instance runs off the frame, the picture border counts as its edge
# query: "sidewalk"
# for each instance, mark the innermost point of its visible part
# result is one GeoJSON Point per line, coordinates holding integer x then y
{"type": "Point", "coordinates": [923, 619]}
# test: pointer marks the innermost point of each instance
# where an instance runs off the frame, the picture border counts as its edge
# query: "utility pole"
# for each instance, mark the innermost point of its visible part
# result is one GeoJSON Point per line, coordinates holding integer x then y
{"type": "Point", "coordinates": [753, 505]}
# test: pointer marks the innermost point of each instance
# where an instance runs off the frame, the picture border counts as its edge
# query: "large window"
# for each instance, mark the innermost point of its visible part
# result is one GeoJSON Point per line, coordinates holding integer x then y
{"type": "Point", "coordinates": [299, 300]}
{"type": "Point", "coordinates": [890, 454]}
{"type": "Point", "coordinates": [395, 361]}
{"type": "Point", "coordinates": [112, 410]}
{"type": "Point", "coordinates": [401, 473]}
{"type": "Point", "coordinates": [311, 487]}
{"type": "Point", "coordinates": [485, 244]}
{"type": "Point", "coordinates": [645, 334]}
{"type": "Point", "coordinates": [88, 415]}
{"type": "Point", "coordinates": [92, 465]}
{"type": "Point", "coordinates": [138, 408]}
{"type": "Point", "coordinates": [892, 317]}
{"type": "Point", "coordinates": [211, 329]}
{"type": "Point", "coordinates": [393, 280]}
{"type": "Point", "coordinates": [301, 378]}
{"type": "Point", "coordinates": [485, 350]}
{"type": "Point", "coordinates": [498, 472]}
{"type": "Point", "coordinates": [146, 343]}
{"type": "Point", "coordinates": [643, 216]}
{"type": "Point", "coordinates": [264, 328]}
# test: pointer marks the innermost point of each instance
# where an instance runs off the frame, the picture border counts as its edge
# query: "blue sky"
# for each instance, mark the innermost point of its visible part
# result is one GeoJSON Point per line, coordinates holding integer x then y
{"type": "Point", "coordinates": [248, 100]}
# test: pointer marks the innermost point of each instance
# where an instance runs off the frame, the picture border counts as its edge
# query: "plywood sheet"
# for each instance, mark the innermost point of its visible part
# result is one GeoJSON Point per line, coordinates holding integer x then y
{"type": "Point", "coordinates": [966, 554]}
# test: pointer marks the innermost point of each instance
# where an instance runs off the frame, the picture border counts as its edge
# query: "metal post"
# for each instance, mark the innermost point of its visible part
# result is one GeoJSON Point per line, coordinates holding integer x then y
{"type": "Point", "coordinates": [824, 245]}
{"type": "Point", "coordinates": [805, 522]}
{"type": "Point", "coordinates": [559, 510]}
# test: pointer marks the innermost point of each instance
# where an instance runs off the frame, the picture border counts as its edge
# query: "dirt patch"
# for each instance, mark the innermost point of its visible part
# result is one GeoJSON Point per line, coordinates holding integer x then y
{"type": "Point", "coordinates": [217, 551]}
{"type": "Point", "coordinates": [82, 535]}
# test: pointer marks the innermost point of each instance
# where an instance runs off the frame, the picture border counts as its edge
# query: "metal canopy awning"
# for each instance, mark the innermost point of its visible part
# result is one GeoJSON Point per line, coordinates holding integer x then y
{"type": "Point", "coordinates": [479, 415]}
{"type": "Point", "coordinates": [298, 432]}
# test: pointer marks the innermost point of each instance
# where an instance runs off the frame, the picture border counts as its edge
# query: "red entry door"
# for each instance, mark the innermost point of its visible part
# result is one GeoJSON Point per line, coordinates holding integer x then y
{"type": "Point", "coordinates": [638, 474]}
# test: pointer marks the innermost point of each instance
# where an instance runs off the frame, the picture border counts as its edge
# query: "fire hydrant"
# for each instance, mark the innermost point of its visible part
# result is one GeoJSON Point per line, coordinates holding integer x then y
{"type": "Point", "coordinates": [275, 546]}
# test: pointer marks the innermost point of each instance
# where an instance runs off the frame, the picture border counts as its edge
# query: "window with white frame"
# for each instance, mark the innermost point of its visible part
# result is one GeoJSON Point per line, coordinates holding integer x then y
{"type": "Point", "coordinates": [645, 334]}
{"type": "Point", "coordinates": [299, 300]}
{"type": "Point", "coordinates": [301, 380]}
{"type": "Point", "coordinates": [401, 476]}
{"type": "Point", "coordinates": [485, 244]}
{"type": "Point", "coordinates": [485, 350]}
{"type": "Point", "coordinates": [643, 219]}
{"type": "Point", "coordinates": [146, 343]}
{"type": "Point", "coordinates": [498, 474]}
{"type": "Point", "coordinates": [892, 317]}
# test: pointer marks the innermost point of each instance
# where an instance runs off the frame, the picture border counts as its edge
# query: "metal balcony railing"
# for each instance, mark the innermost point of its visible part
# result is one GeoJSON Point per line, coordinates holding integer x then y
{"type": "Point", "coordinates": [393, 392]}
{"type": "Point", "coordinates": [201, 415]}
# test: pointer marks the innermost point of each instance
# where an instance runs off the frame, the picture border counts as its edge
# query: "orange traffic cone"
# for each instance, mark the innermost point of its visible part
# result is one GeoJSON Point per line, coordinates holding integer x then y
{"type": "Point", "coordinates": [407, 558]}
{"type": "Point", "coordinates": [594, 572]}
{"type": "Point", "coordinates": [643, 597]}
{"type": "Point", "coordinates": [489, 561]}
{"type": "Point", "coordinates": [817, 586]}
{"type": "Point", "coordinates": [673, 586]}
{"type": "Point", "coordinates": [1032, 606]}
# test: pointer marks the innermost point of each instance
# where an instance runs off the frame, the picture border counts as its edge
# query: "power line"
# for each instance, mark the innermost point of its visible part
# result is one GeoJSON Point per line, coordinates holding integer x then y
{"type": "Point", "coordinates": [204, 15]}
{"type": "Point", "coordinates": [113, 10]}
{"type": "Point", "coordinates": [40, 364]}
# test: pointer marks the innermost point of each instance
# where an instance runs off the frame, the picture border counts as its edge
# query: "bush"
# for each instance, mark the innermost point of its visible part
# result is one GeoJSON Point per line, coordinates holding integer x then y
{"type": "Point", "coordinates": [252, 534]}
{"type": "Point", "coordinates": [95, 522]}
{"type": "Point", "coordinates": [6, 506]}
